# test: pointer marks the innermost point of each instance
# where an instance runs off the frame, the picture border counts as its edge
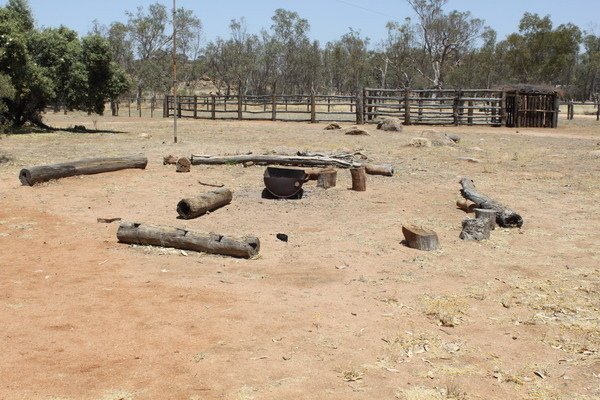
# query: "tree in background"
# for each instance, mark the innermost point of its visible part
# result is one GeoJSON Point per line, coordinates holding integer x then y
{"type": "Point", "coordinates": [39, 68]}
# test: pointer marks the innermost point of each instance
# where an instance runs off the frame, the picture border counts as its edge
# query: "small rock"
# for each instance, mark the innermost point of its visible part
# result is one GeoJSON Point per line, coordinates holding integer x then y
{"type": "Point", "coordinates": [332, 126]}
{"type": "Point", "coordinates": [438, 139]}
{"type": "Point", "coordinates": [479, 149]}
{"type": "Point", "coordinates": [167, 160]}
{"type": "Point", "coordinates": [390, 125]}
{"type": "Point", "coordinates": [595, 153]}
{"type": "Point", "coordinates": [420, 142]}
{"type": "Point", "coordinates": [145, 136]}
{"type": "Point", "coordinates": [454, 137]}
{"type": "Point", "coordinates": [283, 237]}
{"type": "Point", "coordinates": [356, 131]}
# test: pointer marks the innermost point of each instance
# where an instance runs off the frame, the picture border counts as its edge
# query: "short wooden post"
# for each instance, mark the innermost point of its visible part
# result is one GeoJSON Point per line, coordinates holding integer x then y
{"type": "Point", "coordinates": [598, 108]}
{"type": "Point", "coordinates": [359, 179]}
{"type": "Point", "coordinates": [274, 107]}
{"type": "Point", "coordinates": [470, 113]}
{"type": "Point", "coordinates": [420, 238]}
{"type": "Point", "coordinates": [488, 215]}
{"type": "Point", "coordinates": [407, 107]}
{"type": "Point", "coordinates": [328, 104]}
{"type": "Point", "coordinates": [327, 178]}
{"type": "Point", "coordinates": [195, 106]}
{"type": "Point", "coordinates": [360, 118]}
{"type": "Point", "coordinates": [555, 111]}
{"type": "Point", "coordinates": [240, 105]}
{"type": "Point", "coordinates": [455, 107]}
{"type": "Point", "coordinates": [351, 104]}
{"type": "Point", "coordinates": [178, 106]}
{"type": "Point", "coordinates": [213, 106]}
{"type": "Point", "coordinates": [225, 98]}
{"type": "Point", "coordinates": [313, 108]}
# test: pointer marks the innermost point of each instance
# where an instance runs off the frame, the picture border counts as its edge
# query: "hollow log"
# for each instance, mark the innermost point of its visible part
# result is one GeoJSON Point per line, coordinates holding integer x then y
{"type": "Point", "coordinates": [43, 173]}
{"type": "Point", "coordinates": [359, 179]}
{"type": "Point", "coordinates": [385, 170]}
{"type": "Point", "coordinates": [200, 205]}
{"type": "Point", "coordinates": [505, 217]}
{"type": "Point", "coordinates": [145, 235]}
{"type": "Point", "coordinates": [302, 161]}
{"type": "Point", "coordinates": [420, 238]}
{"type": "Point", "coordinates": [327, 178]}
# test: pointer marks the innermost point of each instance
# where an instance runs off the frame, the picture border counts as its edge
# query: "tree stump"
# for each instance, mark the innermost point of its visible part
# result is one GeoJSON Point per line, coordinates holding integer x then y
{"type": "Point", "coordinates": [384, 170]}
{"type": "Point", "coordinates": [420, 238]}
{"type": "Point", "coordinates": [196, 206]}
{"type": "Point", "coordinates": [183, 164]}
{"type": "Point", "coordinates": [359, 179]}
{"type": "Point", "coordinates": [327, 178]}
{"type": "Point", "coordinates": [488, 215]}
{"type": "Point", "coordinates": [475, 229]}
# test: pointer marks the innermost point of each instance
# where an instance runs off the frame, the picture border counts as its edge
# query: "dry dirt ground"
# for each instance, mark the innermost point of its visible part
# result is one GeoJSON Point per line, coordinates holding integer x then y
{"type": "Point", "coordinates": [341, 311]}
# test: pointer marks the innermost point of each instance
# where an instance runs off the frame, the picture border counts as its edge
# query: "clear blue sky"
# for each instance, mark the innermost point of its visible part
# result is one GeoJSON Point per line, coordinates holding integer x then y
{"type": "Point", "coordinates": [329, 19]}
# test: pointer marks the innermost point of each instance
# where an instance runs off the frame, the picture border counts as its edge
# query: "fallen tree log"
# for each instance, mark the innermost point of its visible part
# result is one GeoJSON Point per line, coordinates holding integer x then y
{"type": "Point", "coordinates": [301, 161]}
{"type": "Point", "coordinates": [505, 217]}
{"type": "Point", "coordinates": [43, 173]}
{"type": "Point", "coordinates": [200, 205]}
{"type": "Point", "coordinates": [149, 235]}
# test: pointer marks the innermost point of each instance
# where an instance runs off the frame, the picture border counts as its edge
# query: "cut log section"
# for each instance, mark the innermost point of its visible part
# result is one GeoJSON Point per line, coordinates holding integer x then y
{"type": "Point", "coordinates": [359, 179]}
{"type": "Point", "coordinates": [327, 178]}
{"type": "Point", "coordinates": [44, 173]}
{"type": "Point", "coordinates": [183, 164]}
{"type": "Point", "coordinates": [475, 229]}
{"type": "Point", "coordinates": [385, 170]}
{"type": "Point", "coordinates": [505, 217]}
{"type": "Point", "coordinates": [489, 216]}
{"type": "Point", "coordinates": [196, 206]}
{"type": "Point", "coordinates": [149, 235]}
{"type": "Point", "coordinates": [301, 161]}
{"type": "Point", "coordinates": [420, 238]}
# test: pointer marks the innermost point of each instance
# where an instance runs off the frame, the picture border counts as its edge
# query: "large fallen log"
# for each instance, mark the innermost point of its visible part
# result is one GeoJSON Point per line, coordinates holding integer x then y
{"type": "Point", "coordinates": [43, 173]}
{"type": "Point", "coordinates": [505, 217]}
{"type": "Point", "coordinates": [149, 235]}
{"type": "Point", "coordinates": [301, 161]}
{"type": "Point", "coordinates": [196, 206]}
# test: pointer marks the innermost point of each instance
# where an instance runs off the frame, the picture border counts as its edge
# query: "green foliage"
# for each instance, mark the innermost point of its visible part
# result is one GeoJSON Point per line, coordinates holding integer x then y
{"type": "Point", "coordinates": [51, 66]}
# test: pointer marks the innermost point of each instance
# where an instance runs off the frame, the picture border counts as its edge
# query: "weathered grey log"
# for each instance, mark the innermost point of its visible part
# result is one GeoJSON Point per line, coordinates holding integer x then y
{"type": "Point", "coordinates": [487, 215]}
{"type": "Point", "coordinates": [149, 235]}
{"type": "Point", "coordinates": [505, 217]}
{"type": "Point", "coordinates": [327, 178]}
{"type": "Point", "coordinates": [200, 205]}
{"type": "Point", "coordinates": [384, 169]}
{"type": "Point", "coordinates": [475, 229]}
{"type": "Point", "coordinates": [302, 161]}
{"type": "Point", "coordinates": [420, 238]}
{"type": "Point", "coordinates": [43, 173]}
{"type": "Point", "coordinates": [359, 179]}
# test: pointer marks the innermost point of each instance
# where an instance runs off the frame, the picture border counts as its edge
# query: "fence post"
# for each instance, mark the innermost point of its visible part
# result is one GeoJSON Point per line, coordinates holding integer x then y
{"type": "Point", "coordinates": [598, 108]}
{"type": "Point", "coordinates": [456, 106]}
{"type": "Point", "coordinates": [178, 106]}
{"type": "Point", "coordinates": [420, 107]}
{"type": "Point", "coordinates": [213, 105]}
{"type": "Point", "coordinates": [240, 106]}
{"type": "Point", "coordinates": [470, 113]}
{"type": "Point", "coordinates": [352, 104]}
{"type": "Point", "coordinates": [195, 106]}
{"type": "Point", "coordinates": [556, 110]}
{"type": "Point", "coordinates": [360, 117]}
{"type": "Point", "coordinates": [129, 105]}
{"type": "Point", "coordinates": [274, 106]}
{"type": "Point", "coordinates": [406, 106]}
{"type": "Point", "coordinates": [503, 109]}
{"type": "Point", "coordinates": [328, 104]}
{"type": "Point", "coordinates": [139, 105]}
{"type": "Point", "coordinates": [517, 116]}
{"type": "Point", "coordinates": [166, 106]}
{"type": "Point", "coordinates": [152, 101]}
{"type": "Point", "coordinates": [313, 108]}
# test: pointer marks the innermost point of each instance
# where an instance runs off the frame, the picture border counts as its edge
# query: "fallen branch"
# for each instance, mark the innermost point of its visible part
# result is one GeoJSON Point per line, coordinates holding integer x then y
{"type": "Point", "coordinates": [505, 217]}
{"type": "Point", "coordinates": [301, 161]}
{"type": "Point", "coordinates": [210, 184]}
{"type": "Point", "coordinates": [148, 235]}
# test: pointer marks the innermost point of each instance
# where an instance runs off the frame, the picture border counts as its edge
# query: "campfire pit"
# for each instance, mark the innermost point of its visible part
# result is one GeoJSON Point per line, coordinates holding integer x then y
{"type": "Point", "coordinates": [284, 182]}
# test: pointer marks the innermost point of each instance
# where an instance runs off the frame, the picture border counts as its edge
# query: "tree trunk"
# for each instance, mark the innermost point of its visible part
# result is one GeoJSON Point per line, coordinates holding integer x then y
{"type": "Point", "coordinates": [200, 205]}
{"type": "Point", "coordinates": [420, 238]}
{"type": "Point", "coordinates": [359, 179]}
{"type": "Point", "coordinates": [327, 178]}
{"type": "Point", "coordinates": [144, 235]}
{"type": "Point", "coordinates": [43, 173]}
{"type": "Point", "coordinates": [505, 217]}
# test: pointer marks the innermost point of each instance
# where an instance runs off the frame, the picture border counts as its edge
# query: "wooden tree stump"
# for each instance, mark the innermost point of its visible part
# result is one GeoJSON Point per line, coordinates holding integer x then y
{"type": "Point", "coordinates": [196, 206]}
{"type": "Point", "coordinates": [475, 229]}
{"type": "Point", "coordinates": [420, 238]}
{"type": "Point", "coordinates": [44, 173]}
{"type": "Point", "coordinates": [183, 164]}
{"type": "Point", "coordinates": [327, 178]}
{"type": "Point", "coordinates": [359, 179]}
{"type": "Point", "coordinates": [149, 235]}
{"type": "Point", "coordinates": [487, 215]}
